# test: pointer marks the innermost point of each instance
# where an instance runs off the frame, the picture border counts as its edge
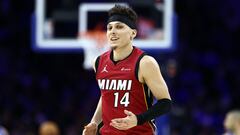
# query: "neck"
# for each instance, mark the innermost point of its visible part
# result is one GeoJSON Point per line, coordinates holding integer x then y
{"type": "Point", "coordinates": [122, 53]}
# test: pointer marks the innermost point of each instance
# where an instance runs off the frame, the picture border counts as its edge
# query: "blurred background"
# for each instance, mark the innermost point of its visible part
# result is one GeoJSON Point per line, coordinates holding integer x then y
{"type": "Point", "coordinates": [201, 67]}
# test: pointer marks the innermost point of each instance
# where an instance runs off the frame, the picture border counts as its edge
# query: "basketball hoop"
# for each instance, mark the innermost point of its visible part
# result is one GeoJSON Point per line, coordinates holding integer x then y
{"type": "Point", "coordinates": [97, 45]}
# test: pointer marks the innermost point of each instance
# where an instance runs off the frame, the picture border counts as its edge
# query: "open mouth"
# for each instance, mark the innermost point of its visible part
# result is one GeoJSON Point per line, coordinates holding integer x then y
{"type": "Point", "coordinates": [114, 38]}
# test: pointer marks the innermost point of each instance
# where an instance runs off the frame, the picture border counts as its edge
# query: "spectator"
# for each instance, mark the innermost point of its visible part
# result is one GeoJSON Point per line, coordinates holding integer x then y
{"type": "Point", "coordinates": [232, 122]}
{"type": "Point", "coordinates": [49, 128]}
{"type": "Point", "coordinates": [3, 131]}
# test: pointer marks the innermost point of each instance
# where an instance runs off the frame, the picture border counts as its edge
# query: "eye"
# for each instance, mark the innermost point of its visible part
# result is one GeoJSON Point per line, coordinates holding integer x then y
{"type": "Point", "coordinates": [119, 26]}
{"type": "Point", "coordinates": [109, 27]}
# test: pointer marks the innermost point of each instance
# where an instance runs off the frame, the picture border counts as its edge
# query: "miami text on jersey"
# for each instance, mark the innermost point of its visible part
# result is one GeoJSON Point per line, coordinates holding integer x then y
{"type": "Point", "coordinates": [107, 84]}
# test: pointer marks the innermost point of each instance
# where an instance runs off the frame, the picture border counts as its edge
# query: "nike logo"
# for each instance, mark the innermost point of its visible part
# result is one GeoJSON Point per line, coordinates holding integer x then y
{"type": "Point", "coordinates": [125, 69]}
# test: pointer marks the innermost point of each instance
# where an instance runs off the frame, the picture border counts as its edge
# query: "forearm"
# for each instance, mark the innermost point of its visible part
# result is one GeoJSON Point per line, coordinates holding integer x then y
{"type": "Point", "coordinates": [97, 117]}
{"type": "Point", "coordinates": [161, 107]}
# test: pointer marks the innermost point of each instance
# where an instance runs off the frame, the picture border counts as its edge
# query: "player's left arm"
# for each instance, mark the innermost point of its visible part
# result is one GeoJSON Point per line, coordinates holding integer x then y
{"type": "Point", "coordinates": [149, 73]}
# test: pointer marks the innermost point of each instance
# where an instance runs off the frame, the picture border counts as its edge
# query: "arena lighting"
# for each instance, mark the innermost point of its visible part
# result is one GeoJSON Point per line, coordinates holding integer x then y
{"type": "Point", "coordinates": [42, 43]}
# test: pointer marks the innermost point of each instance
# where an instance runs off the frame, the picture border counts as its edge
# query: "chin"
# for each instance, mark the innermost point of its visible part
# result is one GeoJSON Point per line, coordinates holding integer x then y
{"type": "Point", "coordinates": [113, 46]}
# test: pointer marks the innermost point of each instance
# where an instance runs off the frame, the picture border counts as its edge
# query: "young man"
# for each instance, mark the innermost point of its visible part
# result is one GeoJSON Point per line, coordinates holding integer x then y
{"type": "Point", "coordinates": [127, 79]}
{"type": "Point", "coordinates": [232, 123]}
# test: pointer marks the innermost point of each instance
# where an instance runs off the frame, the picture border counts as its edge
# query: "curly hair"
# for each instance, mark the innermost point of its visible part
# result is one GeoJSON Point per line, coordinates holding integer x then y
{"type": "Point", "coordinates": [123, 10]}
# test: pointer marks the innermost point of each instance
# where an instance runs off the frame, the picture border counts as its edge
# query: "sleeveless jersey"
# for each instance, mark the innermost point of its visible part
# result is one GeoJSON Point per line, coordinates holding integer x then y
{"type": "Point", "coordinates": [121, 90]}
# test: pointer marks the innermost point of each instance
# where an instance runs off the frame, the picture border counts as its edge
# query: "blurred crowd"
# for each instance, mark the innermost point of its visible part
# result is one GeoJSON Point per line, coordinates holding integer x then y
{"type": "Point", "coordinates": [207, 84]}
{"type": "Point", "coordinates": [202, 73]}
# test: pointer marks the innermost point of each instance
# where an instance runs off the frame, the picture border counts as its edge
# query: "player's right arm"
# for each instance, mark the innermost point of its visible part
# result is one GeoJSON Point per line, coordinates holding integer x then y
{"type": "Point", "coordinates": [91, 128]}
{"type": "Point", "coordinates": [97, 117]}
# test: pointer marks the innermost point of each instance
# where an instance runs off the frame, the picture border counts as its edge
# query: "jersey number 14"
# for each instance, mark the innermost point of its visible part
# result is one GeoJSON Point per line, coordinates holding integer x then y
{"type": "Point", "coordinates": [124, 100]}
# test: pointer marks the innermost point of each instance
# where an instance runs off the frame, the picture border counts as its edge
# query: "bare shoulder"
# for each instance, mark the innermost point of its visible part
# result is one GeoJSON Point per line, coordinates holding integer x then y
{"type": "Point", "coordinates": [148, 62]}
{"type": "Point", "coordinates": [148, 67]}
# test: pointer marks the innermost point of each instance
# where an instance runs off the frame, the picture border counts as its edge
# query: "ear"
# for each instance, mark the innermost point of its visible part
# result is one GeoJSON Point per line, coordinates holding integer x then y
{"type": "Point", "coordinates": [134, 33]}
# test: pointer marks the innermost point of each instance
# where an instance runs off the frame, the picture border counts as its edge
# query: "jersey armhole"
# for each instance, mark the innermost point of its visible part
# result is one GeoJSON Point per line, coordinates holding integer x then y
{"type": "Point", "coordinates": [137, 65]}
{"type": "Point", "coordinates": [97, 63]}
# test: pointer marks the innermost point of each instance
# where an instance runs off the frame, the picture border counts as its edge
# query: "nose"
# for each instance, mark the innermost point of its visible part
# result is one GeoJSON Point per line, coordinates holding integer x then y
{"type": "Point", "coordinates": [113, 31]}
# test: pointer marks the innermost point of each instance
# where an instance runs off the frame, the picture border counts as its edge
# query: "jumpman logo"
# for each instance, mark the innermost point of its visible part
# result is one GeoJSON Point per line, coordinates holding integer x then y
{"type": "Point", "coordinates": [104, 69]}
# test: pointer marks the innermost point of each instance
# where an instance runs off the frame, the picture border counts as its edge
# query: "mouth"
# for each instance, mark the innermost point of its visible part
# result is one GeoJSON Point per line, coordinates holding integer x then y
{"type": "Point", "coordinates": [114, 38]}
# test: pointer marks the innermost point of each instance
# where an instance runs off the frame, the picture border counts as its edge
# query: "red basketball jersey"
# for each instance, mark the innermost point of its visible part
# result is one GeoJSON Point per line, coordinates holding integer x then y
{"type": "Point", "coordinates": [121, 90]}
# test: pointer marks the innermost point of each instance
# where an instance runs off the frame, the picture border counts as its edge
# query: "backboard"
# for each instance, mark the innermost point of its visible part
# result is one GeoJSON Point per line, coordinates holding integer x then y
{"type": "Point", "coordinates": [62, 28]}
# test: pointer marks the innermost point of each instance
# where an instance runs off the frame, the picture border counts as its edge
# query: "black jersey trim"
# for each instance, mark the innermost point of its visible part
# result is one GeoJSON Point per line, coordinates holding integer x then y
{"type": "Point", "coordinates": [115, 62]}
{"type": "Point", "coordinates": [148, 95]}
{"type": "Point", "coordinates": [149, 101]}
{"type": "Point", "coordinates": [97, 63]}
{"type": "Point", "coordinates": [137, 65]}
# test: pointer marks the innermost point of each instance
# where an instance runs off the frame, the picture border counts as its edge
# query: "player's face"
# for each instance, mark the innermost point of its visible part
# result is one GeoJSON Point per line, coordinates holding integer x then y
{"type": "Point", "coordinates": [119, 34]}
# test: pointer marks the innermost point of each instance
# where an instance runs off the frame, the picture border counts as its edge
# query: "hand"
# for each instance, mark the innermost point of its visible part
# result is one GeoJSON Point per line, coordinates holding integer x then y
{"type": "Point", "coordinates": [90, 129]}
{"type": "Point", "coordinates": [125, 123]}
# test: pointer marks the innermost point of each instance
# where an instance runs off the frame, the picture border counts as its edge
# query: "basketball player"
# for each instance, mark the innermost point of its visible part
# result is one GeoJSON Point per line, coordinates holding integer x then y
{"type": "Point", "coordinates": [232, 123]}
{"type": "Point", "coordinates": [128, 80]}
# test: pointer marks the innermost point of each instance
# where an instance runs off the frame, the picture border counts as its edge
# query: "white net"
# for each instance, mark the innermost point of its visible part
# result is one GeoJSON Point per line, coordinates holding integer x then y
{"type": "Point", "coordinates": [97, 45]}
